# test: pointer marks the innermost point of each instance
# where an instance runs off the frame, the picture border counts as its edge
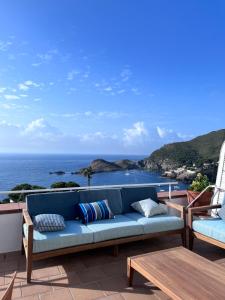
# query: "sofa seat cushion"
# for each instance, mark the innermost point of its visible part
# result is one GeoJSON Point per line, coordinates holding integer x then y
{"type": "Point", "coordinates": [214, 228]}
{"type": "Point", "coordinates": [74, 234]}
{"type": "Point", "coordinates": [120, 226]}
{"type": "Point", "coordinates": [157, 223]}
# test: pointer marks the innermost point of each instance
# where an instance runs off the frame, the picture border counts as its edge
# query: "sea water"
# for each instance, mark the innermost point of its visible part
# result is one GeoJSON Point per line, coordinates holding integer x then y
{"type": "Point", "coordinates": [34, 169]}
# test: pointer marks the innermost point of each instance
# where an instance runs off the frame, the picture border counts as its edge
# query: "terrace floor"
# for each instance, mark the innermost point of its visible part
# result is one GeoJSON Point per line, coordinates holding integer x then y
{"type": "Point", "coordinates": [92, 275]}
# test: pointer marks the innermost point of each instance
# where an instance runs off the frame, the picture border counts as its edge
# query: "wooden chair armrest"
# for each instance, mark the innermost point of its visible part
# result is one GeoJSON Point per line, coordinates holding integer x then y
{"type": "Point", "coordinates": [201, 208]}
{"type": "Point", "coordinates": [27, 218]}
{"type": "Point", "coordinates": [192, 210]}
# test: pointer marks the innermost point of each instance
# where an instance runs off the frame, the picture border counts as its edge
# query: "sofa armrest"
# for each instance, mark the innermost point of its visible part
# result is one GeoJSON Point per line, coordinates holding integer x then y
{"type": "Point", "coordinates": [192, 210]}
{"type": "Point", "coordinates": [176, 206]}
{"type": "Point", "coordinates": [179, 207]}
{"type": "Point", "coordinates": [27, 218]}
{"type": "Point", "coordinates": [30, 228]}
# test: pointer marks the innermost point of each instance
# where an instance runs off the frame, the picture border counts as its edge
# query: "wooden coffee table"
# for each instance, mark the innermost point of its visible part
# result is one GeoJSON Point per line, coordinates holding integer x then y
{"type": "Point", "coordinates": [180, 273]}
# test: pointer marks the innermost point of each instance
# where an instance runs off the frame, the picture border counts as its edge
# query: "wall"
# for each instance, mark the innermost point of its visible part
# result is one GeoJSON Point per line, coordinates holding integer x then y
{"type": "Point", "coordinates": [10, 232]}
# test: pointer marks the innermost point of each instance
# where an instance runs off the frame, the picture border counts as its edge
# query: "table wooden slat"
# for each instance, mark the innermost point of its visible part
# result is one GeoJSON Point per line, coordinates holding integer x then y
{"type": "Point", "coordinates": [182, 274]}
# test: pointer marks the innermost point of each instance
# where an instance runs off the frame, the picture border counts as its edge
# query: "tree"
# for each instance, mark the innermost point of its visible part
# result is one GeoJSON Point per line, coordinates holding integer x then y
{"type": "Point", "coordinates": [88, 172]}
{"type": "Point", "coordinates": [63, 184]}
{"type": "Point", "coordinates": [23, 186]}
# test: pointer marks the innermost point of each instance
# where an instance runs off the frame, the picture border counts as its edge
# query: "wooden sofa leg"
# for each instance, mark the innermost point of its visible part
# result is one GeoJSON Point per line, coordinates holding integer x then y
{"type": "Point", "coordinates": [29, 269]}
{"type": "Point", "coordinates": [184, 238]}
{"type": "Point", "coordinates": [190, 240]}
{"type": "Point", "coordinates": [22, 248]}
{"type": "Point", "coordinates": [116, 250]}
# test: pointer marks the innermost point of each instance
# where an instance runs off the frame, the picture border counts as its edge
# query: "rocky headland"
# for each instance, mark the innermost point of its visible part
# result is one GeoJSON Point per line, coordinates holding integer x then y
{"type": "Point", "coordinates": [183, 160]}
{"type": "Point", "coordinates": [102, 165]}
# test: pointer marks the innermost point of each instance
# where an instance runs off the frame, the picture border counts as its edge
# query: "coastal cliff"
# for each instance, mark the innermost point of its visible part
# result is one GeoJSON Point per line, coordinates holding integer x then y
{"type": "Point", "coordinates": [183, 160]}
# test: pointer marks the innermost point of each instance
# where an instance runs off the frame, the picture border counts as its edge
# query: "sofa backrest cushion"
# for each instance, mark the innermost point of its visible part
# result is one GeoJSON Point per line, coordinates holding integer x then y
{"type": "Point", "coordinates": [134, 194]}
{"type": "Point", "coordinates": [112, 195]}
{"type": "Point", "coordinates": [61, 203]}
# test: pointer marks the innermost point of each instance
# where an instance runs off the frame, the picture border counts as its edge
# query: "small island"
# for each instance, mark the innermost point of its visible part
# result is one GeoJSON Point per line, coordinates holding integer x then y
{"type": "Point", "coordinates": [102, 165]}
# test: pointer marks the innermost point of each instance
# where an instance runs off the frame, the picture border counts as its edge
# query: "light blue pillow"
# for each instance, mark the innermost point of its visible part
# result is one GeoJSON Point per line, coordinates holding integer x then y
{"type": "Point", "coordinates": [149, 208]}
{"type": "Point", "coordinates": [49, 222]}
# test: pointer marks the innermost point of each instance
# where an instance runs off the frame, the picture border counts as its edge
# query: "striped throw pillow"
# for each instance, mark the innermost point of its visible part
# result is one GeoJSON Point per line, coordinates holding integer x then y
{"type": "Point", "coordinates": [99, 210]}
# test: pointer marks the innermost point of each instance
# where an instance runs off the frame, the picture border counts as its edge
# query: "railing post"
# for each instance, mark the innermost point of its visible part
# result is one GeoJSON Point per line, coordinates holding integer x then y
{"type": "Point", "coordinates": [170, 191]}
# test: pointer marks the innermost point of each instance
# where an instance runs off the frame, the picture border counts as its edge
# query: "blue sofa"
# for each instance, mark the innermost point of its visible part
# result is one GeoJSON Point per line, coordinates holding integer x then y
{"type": "Point", "coordinates": [127, 226]}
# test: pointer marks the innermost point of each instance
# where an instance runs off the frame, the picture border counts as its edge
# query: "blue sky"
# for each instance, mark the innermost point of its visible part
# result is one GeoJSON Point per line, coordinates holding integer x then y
{"type": "Point", "coordinates": [109, 76]}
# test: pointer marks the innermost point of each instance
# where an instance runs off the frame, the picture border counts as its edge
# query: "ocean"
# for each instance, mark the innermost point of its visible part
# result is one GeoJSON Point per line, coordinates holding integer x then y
{"type": "Point", "coordinates": [34, 169]}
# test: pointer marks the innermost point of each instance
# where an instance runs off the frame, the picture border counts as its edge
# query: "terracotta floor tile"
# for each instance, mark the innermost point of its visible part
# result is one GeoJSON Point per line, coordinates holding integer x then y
{"type": "Point", "coordinates": [75, 265]}
{"type": "Point", "coordinates": [31, 297]}
{"type": "Point", "coordinates": [139, 294]}
{"type": "Point", "coordinates": [113, 297]}
{"type": "Point", "coordinates": [87, 292]}
{"type": "Point", "coordinates": [8, 266]}
{"type": "Point", "coordinates": [62, 294]}
{"type": "Point", "coordinates": [117, 284]}
{"type": "Point", "coordinates": [20, 276]}
{"type": "Point", "coordinates": [91, 274]}
{"type": "Point", "coordinates": [45, 272]}
{"type": "Point", "coordinates": [64, 280]}
{"type": "Point", "coordinates": [115, 269]}
{"type": "Point", "coordinates": [36, 287]}
{"type": "Point", "coordinates": [16, 291]}
{"type": "Point", "coordinates": [2, 278]}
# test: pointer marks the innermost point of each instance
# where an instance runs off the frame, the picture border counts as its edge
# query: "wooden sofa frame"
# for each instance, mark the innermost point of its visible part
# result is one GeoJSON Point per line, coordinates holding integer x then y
{"type": "Point", "coordinates": [27, 246]}
{"type": "Point", "coordinates": [193, 234]}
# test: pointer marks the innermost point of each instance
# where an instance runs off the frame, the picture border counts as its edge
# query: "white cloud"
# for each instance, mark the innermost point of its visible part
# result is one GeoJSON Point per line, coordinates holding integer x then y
{"type": "Point", "coordinates": [96, 136]}
{"type": "Point", "coordinates": [169, 135]}
{"type": "Point", "coordinates": [135, 91]}
{"type": "Point", "coordinates": [26, 85]}
{"type": "Point", "coordinates": [36, 64]}
{"type": "Point", "coordinates": [40, 128]}
{"type": "Point", "coordinates": [45, 57]}
{"type": "Point", "coordinates": [121, 91]}
{"type": "Point", "coordinates": [125, 74]}
{"type": "Point", "coordinates": [163, 132]}
{"type": "Point", "coordinates": [2, 89]}
{"type": "Point", "coordinates": [112, 114]}
{"type": "Point", "coordinates": [88, 113]}
{"type": "Point", "coordinates": [72, 74]}
{"type": "Point", "coordinates": [23, 87]}
{"type": "Point", "coordinates": [9, 106]}
{"type": "Point", "coordinates": [4, 45]}
{"type": "Point", "coordinates": [135, 134]}
{"type": "Point", "coordinates": [11, 97]}
{"type": "Point", "coordinates": [108, 89]}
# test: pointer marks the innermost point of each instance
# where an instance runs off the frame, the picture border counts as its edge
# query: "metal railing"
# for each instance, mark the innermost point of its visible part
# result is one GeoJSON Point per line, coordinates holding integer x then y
{"type": "Point", "coordinates": [36, 191]}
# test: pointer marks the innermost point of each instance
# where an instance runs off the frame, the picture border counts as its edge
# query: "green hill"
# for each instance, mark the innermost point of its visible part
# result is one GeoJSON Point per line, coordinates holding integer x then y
{"type": "Point", "coordinates": [202, 149]}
